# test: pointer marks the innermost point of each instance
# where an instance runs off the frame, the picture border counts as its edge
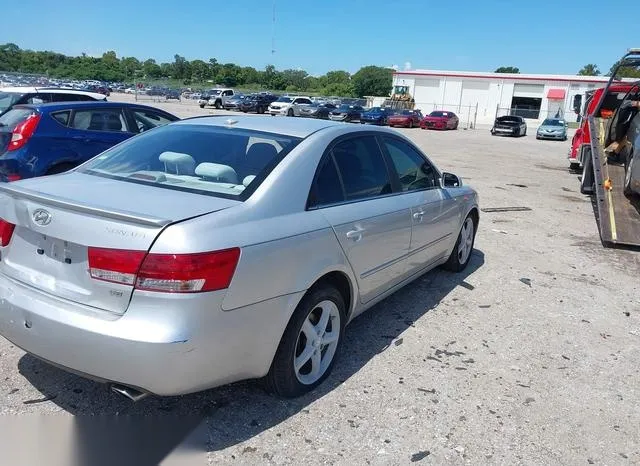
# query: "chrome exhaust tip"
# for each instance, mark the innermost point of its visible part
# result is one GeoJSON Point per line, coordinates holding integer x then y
{"type": "Point", "coordinates": [128, 392]}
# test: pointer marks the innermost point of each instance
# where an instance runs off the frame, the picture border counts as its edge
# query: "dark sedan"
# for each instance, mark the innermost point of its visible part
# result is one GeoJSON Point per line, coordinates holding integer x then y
{"type": "Point", "coordinates": [376, 116]}
{"type": "Point", "coordinates": [320, 111]}
{"type": "Point", "coordinates": [258, 103]}
{"type": "Point", "coordinates": [406, 118]}
{"type": "Point", "coordinates": [439, 119]}
{"type": "Point", "coordinates": [509, 126]}
{"type": "Point", "coordinates": [346, 112]}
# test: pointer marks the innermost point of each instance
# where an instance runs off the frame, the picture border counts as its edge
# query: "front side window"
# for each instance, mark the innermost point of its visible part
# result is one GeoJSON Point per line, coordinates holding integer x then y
{"type": "Point", "coordinates": [211, 160]}
{"type": "Point", "coordinates": [99, 120]}
{"type": "Point", "coordinates": [414, 171]}
{"type": "Point", "coordinates": [362, 168]}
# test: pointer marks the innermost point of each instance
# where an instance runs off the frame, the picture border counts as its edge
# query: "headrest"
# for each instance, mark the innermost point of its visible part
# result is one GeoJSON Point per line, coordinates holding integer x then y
{"type": "Point", "coordinates": [248, 179]}
{"type": "Point", "coordinates": [176, 157]}
{"type": "Point", "coordinates": [217, 172]}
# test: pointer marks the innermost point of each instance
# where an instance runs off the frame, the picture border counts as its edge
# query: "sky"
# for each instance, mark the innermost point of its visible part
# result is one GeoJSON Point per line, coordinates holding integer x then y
{"type": "Point", "coordinates": [321, 35]}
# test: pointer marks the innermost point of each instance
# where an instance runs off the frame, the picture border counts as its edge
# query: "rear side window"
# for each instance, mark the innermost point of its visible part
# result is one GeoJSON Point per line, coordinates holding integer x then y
{"type": "Point", "coordinates": [40, 98]}
{"type": "Point", "coordinates": [62, 117]}
{"type": "Point", "coordinates": [61, 97]}
{"type": "Point", "coordinates": [362, 168]}
{"type": "Point", "coordinates": [14, 117]}
{"type": "Point", "coordinates": [327, 188]}
{"type": "Point", "coordinates": [148, 119]}
{"type": "Point", "coordinates": [99, 120]}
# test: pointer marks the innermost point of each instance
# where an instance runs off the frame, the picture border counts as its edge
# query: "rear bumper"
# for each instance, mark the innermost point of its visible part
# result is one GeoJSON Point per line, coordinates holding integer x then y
{"type": "Point", "coordinates": [165, 345]}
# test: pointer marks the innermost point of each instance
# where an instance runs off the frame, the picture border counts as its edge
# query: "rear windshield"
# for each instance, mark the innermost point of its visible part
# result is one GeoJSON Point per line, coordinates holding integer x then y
{"type": "Point", "coordinates": [14, 117]}
{"type": "Point", "coordinates": [7, 99]}
{"type": "Point", "coordinates": [438, 114]}
{"type": "Point", "coordinates": [211, 160]}
{"type": "Point", "coordinates": [509, 119]}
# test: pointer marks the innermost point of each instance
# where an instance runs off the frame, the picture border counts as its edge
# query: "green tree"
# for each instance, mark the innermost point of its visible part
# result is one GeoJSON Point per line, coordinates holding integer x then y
{"type": "Point", "coordinates": [200, 70]}
{"type": "Point", "coordinates": [151, 69]}
{"type": "Point", "coordinates": [589, 70]}
{"type": "Point", "coordinates": [339, 90]}
{"type": "Point", "coordinates": [338, 77]}
{"type": "Point", "coordinates": [625, 72]}
{"type": "Point", "coordinates": [508, 69]}
{"type": "Point", "coordinates": [372, 80]}
{"type": "Point", "coordinates": [181, 67]}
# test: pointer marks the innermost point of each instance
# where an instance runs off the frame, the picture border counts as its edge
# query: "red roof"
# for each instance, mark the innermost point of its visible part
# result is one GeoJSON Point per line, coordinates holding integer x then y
{"type": "Point", "coordinates": [556, 94]}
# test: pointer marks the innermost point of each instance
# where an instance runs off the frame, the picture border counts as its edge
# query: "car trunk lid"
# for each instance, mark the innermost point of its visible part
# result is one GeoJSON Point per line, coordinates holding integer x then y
{"type": "Point", "coordinates": [49, 247]}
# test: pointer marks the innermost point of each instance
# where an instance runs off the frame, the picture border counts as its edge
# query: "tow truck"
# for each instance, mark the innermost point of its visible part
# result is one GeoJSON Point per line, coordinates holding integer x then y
{"type": "Point", "coordinates": [603, 171]}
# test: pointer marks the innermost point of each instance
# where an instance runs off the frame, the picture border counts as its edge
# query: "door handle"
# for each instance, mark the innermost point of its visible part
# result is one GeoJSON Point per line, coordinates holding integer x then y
{"type": "Point", "coordinates": [355, 235]}
{"type": "Point", "coordinates": [418, 216]}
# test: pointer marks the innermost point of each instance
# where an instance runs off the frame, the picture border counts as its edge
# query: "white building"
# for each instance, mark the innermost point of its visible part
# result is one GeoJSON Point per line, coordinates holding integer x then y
{"type": "Point", "coordinates": [477, 98]}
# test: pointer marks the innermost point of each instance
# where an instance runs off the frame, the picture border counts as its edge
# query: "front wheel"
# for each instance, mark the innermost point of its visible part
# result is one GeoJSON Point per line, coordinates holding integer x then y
{"type": "Point", "coordinates": [201, 105]}
{"type": "Point", "coordinates": [311, 341]}
{"type": "Point", "coordinates": [461, 253]}
{"type": "Point", "coordinates": [410, 123]}
{"type": "Point", "coordinates": [290, 112]}
{"type": "Point", "coordinates": [218, 105]}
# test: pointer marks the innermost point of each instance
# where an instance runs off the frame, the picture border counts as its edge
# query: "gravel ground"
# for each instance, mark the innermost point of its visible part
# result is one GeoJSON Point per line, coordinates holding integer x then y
{"type": "Point", "coordinates": [531, 356]}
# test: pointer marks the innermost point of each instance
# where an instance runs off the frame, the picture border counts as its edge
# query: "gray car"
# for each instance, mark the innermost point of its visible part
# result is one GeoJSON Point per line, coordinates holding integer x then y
{"type": "Point", "coordinates": [214, 250]}
{"type": "Point", "coordinates": [552, 128]}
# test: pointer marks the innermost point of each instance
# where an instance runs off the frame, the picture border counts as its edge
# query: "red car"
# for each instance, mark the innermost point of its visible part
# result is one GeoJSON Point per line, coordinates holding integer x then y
{"type": "Point", "coordinates": [440, 120]}
{"type": "Point", "coordinates": [405, 118]}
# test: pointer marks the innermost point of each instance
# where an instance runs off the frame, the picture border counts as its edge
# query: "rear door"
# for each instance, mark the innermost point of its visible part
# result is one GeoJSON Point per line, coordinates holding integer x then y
{"type": "Point", "coordinates": [435, 215]}
{"type": "Point", "coordinates": [354, 191]}
{"type": "Point", "coordinates": [94, 130]}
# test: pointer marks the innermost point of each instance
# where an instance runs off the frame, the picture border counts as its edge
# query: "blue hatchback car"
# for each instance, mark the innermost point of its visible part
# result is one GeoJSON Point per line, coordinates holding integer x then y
{"type": "Point", "coordinates": [44, 139]}
{"type": "Point", "coordinates": [376, 115]}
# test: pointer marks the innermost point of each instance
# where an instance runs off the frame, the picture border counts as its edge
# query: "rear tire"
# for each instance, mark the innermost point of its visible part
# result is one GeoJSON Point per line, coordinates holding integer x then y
{"type": "Point", "coordinates": [461, 254]}
{"type": "Point", "coordinates": [627, 178]}
{"type": "Point", "coordinates": [574, 166]}
{"type": "Point", "coordinates": [587, 182]}
{"type": "Point", "coordinates": [283, 378]}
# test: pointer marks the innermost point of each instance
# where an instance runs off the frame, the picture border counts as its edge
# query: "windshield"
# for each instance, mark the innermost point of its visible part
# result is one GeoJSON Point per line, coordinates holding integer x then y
{"type": "Point", "coordinates": [285, 99]}
{"type": "Point", "coordinates": [7, 99]}
{"type": "Point", "coordinates": [202, 159]}
{"type": "Point", "coordinates": [553, 122]}
{"type": "Point", "coordinates": [374, 110]}
{"type": "Point", "coordinates": [438, 114]}
{"type": "Point", "coordinates": [344, 107]}
{"type": "Point", "coordinates": [509, 119]}
{"type": "Point", "coordinates": [215, 92]}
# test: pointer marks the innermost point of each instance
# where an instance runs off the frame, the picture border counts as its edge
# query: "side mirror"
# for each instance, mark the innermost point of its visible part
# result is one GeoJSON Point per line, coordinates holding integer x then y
{"type": "Point", "coordinates": [577, 103]}
{"type": "Point", "coordinates": [449, 180]}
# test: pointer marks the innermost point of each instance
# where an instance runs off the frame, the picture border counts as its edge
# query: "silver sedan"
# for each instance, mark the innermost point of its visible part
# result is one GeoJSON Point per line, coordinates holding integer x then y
{"type": "Point", "coordinates": [213, 250]}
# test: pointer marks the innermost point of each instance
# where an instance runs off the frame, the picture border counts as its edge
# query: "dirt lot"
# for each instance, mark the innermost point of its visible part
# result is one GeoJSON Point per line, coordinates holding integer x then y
{"type": "Point", "coordinates": [530, 357]}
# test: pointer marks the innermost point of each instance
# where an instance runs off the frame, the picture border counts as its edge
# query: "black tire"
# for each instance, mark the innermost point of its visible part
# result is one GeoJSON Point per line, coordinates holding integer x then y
{"type": "Point", "coordinates": [410, 124]}
{"type": "Point", "coordinates": [574, 166]}
{"type": "Point", "coordinates": [587, 182]}
{"type": "Point", "coordinates": [60, 168]}
{"type": "Point", "coordinates": [202, 105]}
{"type": "Point", "coordinates": [628, 166]}
{"type": "Point", "coordinates": [282, 379]}
{"type": "Point", "coordinates": [290, 112]}
{"type": "Point", "coordinates": [454, 264]}
{"type": "Point", "coordinates": [260, 110]}
{"type": "Point", "coordinates": [218, 105]}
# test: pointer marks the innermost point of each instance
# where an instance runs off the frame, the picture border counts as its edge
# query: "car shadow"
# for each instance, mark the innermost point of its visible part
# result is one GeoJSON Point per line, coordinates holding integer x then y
{"type": "Point", "coordinates": [240, 411]}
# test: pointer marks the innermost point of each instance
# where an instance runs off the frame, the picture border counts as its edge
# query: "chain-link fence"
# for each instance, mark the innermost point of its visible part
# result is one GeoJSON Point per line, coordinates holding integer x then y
{"type": "Point", "coordinates": [467, 114]}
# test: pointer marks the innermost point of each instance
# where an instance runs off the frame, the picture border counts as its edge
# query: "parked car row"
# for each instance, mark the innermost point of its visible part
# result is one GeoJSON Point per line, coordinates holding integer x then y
{"type": "Point", "coordinates": [516, 126]}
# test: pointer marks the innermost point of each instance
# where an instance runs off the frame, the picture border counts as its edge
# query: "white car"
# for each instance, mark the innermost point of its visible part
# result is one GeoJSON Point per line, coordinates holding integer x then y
{"type": "Point", "coordinates": [217, 98]}
{"type": "Point", "coordinates": [130, 90]}
{"type": "Point", "coordinates": [289, 105]}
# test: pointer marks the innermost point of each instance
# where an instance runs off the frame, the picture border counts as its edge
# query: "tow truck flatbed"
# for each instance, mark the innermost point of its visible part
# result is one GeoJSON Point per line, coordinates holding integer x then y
{"type": "Point", "coordinates": [619, 216]}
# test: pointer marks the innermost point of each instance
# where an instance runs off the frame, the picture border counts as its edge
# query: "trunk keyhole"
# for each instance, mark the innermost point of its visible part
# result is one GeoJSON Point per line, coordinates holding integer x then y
{"type": "Point", "coordinates": [40, 251]}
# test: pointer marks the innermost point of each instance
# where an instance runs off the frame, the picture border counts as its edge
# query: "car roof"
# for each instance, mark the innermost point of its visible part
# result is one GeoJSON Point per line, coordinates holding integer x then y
{"type": "Point", "coordinates": [53, 90]}
{"type": "Point", "coordinates": [95, 104]}
{"type": "Point", "coordinates": [296, 127]}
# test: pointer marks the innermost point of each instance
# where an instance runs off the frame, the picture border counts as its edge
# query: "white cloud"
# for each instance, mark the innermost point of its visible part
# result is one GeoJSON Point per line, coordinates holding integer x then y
{"type": "Point", "coordinates": [407, 65]}
{"type": "Point", "coordinates": [395, 67]}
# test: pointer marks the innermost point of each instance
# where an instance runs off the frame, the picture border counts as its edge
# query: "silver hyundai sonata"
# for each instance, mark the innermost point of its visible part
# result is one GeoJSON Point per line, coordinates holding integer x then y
{"type": "Point", "coordinates": [213, 250]}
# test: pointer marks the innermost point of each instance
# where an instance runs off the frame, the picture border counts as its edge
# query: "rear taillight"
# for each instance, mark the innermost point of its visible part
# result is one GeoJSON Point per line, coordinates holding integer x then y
{"type": "Point", "coordinates": [6, 231]}
{"type": "Point", "coordinates": [22, 132]}
{"type": "Point", "coordinates": [13, 177]}
{"type": "Point", "coordinates": [168, 273]}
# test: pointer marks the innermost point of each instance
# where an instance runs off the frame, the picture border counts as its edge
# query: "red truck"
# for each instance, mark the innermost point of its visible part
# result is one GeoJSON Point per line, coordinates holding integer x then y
{"type": "Point", "coordinates": [582, 137]}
